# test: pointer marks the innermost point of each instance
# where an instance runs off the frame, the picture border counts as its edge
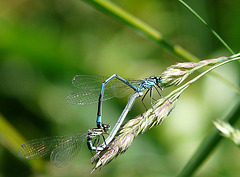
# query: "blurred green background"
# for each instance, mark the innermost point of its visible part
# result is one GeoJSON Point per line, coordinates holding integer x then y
{"type": "Point", "coordinates": [43, 44]}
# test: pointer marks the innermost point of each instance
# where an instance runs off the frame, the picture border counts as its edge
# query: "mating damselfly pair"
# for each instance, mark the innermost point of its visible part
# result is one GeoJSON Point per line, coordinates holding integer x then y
{"type": "Point", "coordinates": [62, 149]}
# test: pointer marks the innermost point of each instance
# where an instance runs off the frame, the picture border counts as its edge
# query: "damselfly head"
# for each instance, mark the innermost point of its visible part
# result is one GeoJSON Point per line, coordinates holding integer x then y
{"type": "Point", "coordinates": [157, 80]}
{"type": "Point", "coordinates": [106, 127]}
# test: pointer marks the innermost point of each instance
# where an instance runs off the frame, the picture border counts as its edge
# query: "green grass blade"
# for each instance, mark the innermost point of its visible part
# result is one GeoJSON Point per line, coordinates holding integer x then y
{"type": "Point", "coordinates": [11, 140]}
{"type": "Point", "coordinates": [208, 145]}
{"type": "Point", "coordinates": [210, 29]}
{"type": "Point", "coordinates": [128, 19]}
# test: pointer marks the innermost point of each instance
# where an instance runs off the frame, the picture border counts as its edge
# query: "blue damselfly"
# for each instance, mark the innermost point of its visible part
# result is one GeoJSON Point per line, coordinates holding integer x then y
{"type": "Point", "coordinates": [95, 89]}
{"type": "Point", "coordinates": [62, 149]}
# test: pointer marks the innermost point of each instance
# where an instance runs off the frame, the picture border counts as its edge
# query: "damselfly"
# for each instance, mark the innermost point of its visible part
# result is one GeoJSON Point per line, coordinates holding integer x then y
{"type": "Point", "coordinates": [62, 149]}
{"type": "Point", "coordinates": [89, 90]}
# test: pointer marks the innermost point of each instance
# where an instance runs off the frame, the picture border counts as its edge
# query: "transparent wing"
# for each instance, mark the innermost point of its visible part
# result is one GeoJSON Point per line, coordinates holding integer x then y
{"type": "Point", "coordinates": [40, 148]}
{"type": "Point", "coordinates": [89, 87]}
{"type": "Point", "coordinates": [121, 89]}
{"type": "Point", "coordinates": [88, 91]}
{"type": "Point", "coordinates": [90, 96]}
{"type": "Point", "coordinates": [67, 150]}
{"type": "Point", "coordinates": [86, 82]}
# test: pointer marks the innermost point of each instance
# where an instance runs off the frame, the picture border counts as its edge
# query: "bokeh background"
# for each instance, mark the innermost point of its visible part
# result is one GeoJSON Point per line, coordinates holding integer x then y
{"type": "Point", "coordinates": [43, 44]}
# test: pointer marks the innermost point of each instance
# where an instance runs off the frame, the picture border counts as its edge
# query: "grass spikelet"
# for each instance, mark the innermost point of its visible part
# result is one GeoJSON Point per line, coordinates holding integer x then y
{"type": "Point", "coordinates": [228, 131]}
{"type": "Point", "coordinates": [174, 75]}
